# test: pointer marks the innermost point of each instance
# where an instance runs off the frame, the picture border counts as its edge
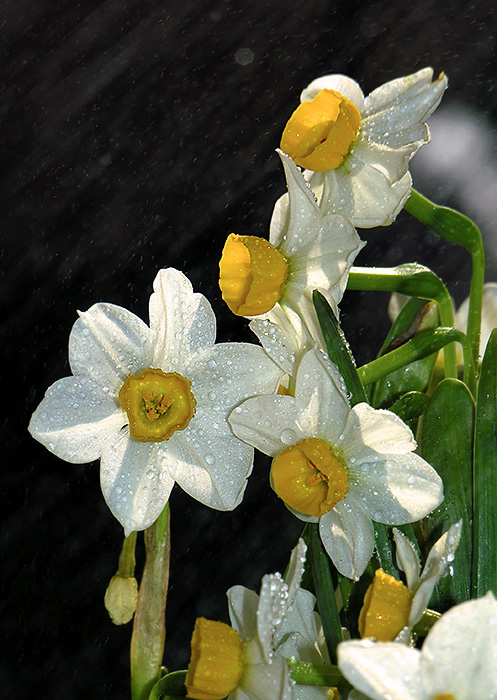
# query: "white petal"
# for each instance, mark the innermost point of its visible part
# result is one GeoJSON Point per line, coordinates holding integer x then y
{"type": "Point", "coordinates": [135, 481]}
{"type": "Point", "coordinates": [263, 681]}
{"type": "Point", "coordinates": [279, 220]}
{"type": "Point", "coordinates": [459, 655]}
{"type": "Point", "coordinates": [242, 607]}
{"type": "Point", "coordinates": [227, 374]}
{"type": "Point", "coordinates": [76, 419]}
{"type": "Point", "coordinates": [407, 558]}
{"type": "Point", "coordinates": [341, 83]}
{"type": "Point", "coordinates": [348, 536]}
{"type": "Point", "coordinates": [183, 323]}
{"type": "Point", "coordinates": [273, 603]}
{"type": "Point", "coordinates": [382, 671]}
{"type": "Point", "coordinates": [268, 423]}
{"type": "Point", "coordinates": [280, 338]}
{"type": "Point", "coordinates": [394, 113]}
{"type": "Point", "coordinates": [209, 464]}
{"type": "Point", "coordinates": [295, 571]}
{"type": "Point", "coordinates": [363, 193]}
{"type": "Point", "coordinates": [108, 343]}
{"type": "Point", "coordinates": [321, 389]}
{"type": "Point", "coordinates": [375, 429]}
{"type": "Point", "coordinates": [301, 619]}
{"type": "Point", "coordinates": [396, 489]}
{"type": "Point", "coordinates": [439, 558]}
{"type": "Point", "coordinates": [302, 217]}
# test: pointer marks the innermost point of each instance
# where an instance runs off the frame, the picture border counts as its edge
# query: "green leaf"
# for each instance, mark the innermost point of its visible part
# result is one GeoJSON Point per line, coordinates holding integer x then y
{"type": "Point", "coordinates": [169, 687]}
{"type": "Point", "coordinates": [446, 442]}
{"type": "Point", "coordinates": [485, 476]}
{"type": "Point", "coordinates": [410, 406]}
{"type": "Point", "coordinates": [338, 349]}
{"type": "Point", "coordinates": [325, 593]}
{"type": "Point", "coordinates": [414, 316]}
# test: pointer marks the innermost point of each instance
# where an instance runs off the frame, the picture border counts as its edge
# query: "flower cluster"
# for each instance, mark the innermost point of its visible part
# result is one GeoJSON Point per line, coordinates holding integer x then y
{"type": "Point", "coordinates": [163, 403]}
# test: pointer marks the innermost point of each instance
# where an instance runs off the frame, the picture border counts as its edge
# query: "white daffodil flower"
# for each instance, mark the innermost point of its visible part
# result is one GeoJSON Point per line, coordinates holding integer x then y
{"type": "Point", "coordinates": [342, 467]}
{"type": "Point", "coordinates": [307, 250]}
{"type": "Point", "coordinates": [152, 403]}
{"type": "Point", "coordinates": [357, 149]}
{"type": "Point", "coordinates": [248, 660]}
{"type": "Point", "coordinates": [390, 608]}
{"type": "Point", "coordinates": [458, 660]}
{"type": "Point", "coordinates": [488, 315]}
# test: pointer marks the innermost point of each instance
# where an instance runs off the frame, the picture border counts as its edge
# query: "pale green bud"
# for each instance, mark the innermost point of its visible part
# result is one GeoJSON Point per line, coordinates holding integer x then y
{"type": "Point", "coordinates": [120, 599]}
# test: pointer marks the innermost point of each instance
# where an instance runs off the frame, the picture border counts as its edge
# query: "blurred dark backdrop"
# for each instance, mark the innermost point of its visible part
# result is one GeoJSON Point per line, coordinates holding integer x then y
{"type": "Point", "coordinates": [137, 135]}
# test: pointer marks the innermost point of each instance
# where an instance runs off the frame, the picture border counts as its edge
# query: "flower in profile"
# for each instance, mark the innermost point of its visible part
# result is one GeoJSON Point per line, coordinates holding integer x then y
{"type": "Point", "coordinates": [152, 403]}
{"type": "Point", "coordinates": [457, 660]}
{"type": "Point", "coordinates": [248, 660]}
{"type": "Point", "coordinates": [342, 467]}
{"type": "Point", "coordinates": [391, 609]}
{"type": "Point", "coordinates": [357, 149]}
{"type": "Point", "coordinates": [307, 250]}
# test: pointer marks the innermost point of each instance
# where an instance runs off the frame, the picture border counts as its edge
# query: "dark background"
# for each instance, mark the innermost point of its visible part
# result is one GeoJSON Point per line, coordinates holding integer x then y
{"type": "Point", "coordinates": [136, 135]}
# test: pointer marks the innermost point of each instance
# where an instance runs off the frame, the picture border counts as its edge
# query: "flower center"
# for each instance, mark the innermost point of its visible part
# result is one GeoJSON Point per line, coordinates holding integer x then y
{"type": "Point", "coordinates": [309, 477]}
{"type": "Point", "coordinates": [216, 665]}
{"type": "Point", "coordinates": [157, 404]}
{"type": "Point", "coordinates": [386, 608]}
{"type": "Point", "coordinates": [444, 696]}
{"type": "Point", "coordinates": [252, 273]}
{"type": "Point", "coordinates": [321, 131]}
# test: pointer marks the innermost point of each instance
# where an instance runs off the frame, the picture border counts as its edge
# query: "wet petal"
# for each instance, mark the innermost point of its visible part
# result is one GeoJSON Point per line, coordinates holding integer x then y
{"type": "Point", "coordinates": [182, 322]}
{"type": "Point", "coordinates": [108, 343]}
{"type": "Point", "coordinates": [76, 419]}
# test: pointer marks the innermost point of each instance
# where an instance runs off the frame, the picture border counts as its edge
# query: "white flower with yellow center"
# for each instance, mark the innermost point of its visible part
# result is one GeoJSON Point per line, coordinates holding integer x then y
{"type": "Point", "coordinates": [458, 660]}
{"type": "Point", "coordinates": [152, 403]}
{"type": "Point", "coordinates": [306, 251]}
{"type": "Point", "coordinates": [391, 608]}
{"type": "Point", "coordinates": [357, 149]}
{"type": "Point", "coordinates": [248, 660]}
{"type": "Point", "coordinates": [342, 467]}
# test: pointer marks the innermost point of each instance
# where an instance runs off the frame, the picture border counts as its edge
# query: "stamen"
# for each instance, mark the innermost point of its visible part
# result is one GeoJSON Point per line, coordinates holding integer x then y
{"type": "Point", "coordinates": [309, 477]}
{"type": "Point", "coordinates": [157, 404]}
{"type": "Point", "coordinates": [321, 131]}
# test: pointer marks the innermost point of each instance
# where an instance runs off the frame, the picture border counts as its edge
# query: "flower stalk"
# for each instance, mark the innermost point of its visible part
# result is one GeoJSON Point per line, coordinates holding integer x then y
{"type": "Point", "coordinates": [147, 641]}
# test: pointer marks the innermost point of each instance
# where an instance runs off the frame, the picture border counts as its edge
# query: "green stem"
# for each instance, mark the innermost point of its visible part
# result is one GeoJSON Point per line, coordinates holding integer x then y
{"type": "Point", "coordinates": [426, 623]}
{"type": "Point", "coordinates": [457, 228]}
{"type": "Point", "coordinates": [323, 675]}
{"type": "Point", "coordinates": [423, 344]}
{"type": "Point", "coordinates": [414, 280]}
{"type": "Point", "coordinates": [147, 641]}
{"type": "Point", "coordinates": [126, 566]}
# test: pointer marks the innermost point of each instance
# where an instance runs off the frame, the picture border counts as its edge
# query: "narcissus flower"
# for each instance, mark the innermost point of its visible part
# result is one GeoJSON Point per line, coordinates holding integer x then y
{"type": "Point", "coordinates": [391, 609]}
{"type": "Point", "coordinates": [152, 403]}
{"type": "Point", "coordinates": [248, 660]}
{"type": "Point", "coordinates": [342, 467]}
{"type": "Point", "coordinates": [458, 660]}
{"type": "Point", "coordinates": [306, 251]}
{"type": "Point", "coordinates": [357, 150]}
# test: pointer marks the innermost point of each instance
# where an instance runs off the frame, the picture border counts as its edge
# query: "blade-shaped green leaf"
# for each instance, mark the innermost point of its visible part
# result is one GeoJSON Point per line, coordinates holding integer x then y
{"type": "Point", "coordinates": [414, 316]}
{"type": "Point", "coordinates": [485, 476]}
{"type": "Point", "coordinates": [446, 442]}
{"type": "Point", "coordinates": [338, 349]}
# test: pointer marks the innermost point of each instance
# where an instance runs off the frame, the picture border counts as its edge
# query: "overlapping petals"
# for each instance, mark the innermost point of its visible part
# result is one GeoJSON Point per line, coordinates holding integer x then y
{"type": "Point", "coordinates": [387, 481]}
{"type": "Point", "coordinates": [458, 659]}
{"type": "Point", "coordinates": [80, 418]}
{"type": "Point", "coordinates": [273, 626]}
{"type": "Point", "coordinates": [372, 184]}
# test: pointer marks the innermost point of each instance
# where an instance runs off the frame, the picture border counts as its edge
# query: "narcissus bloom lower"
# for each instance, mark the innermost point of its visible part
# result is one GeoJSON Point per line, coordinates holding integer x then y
{"type": "Point", "coordinates": [458, 659]}
{"type": "Point", "coordinates": [152, 403]}
{"type": "Point", "coordinates": [356, 150]}
{"type": "Point", "coordinates": [391, 609]}
{"type": "Point", "coordinates": [342, 467]}
{"type": "Point", "coordinates": [248, 661]}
